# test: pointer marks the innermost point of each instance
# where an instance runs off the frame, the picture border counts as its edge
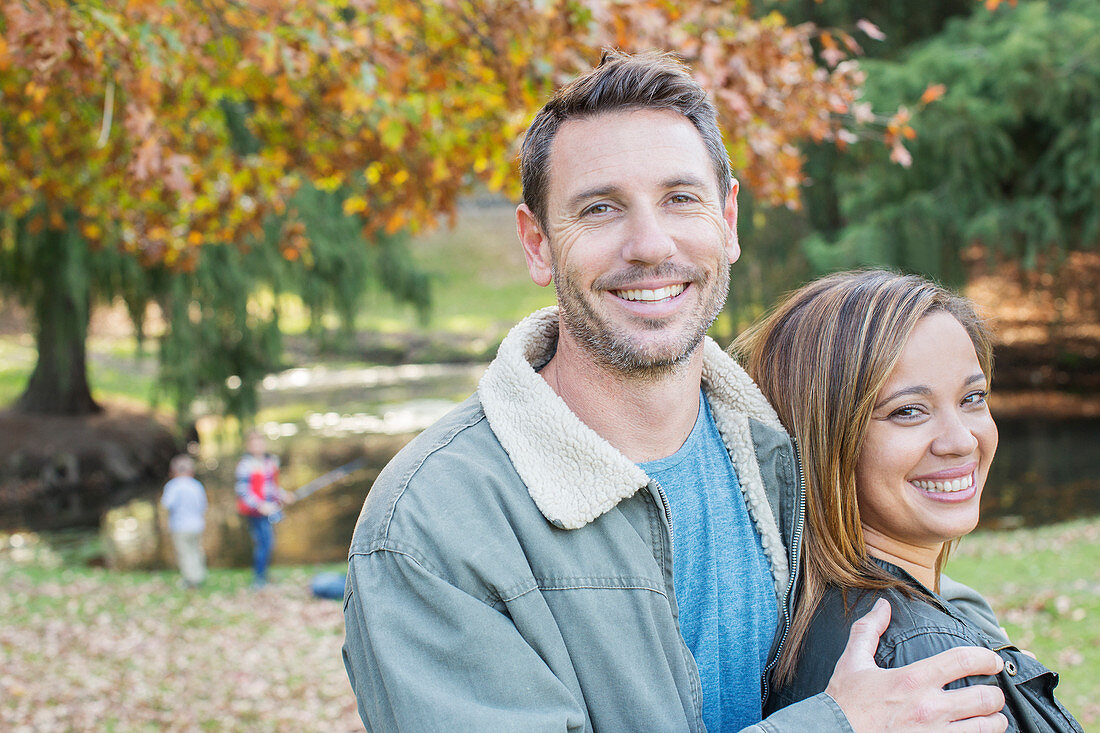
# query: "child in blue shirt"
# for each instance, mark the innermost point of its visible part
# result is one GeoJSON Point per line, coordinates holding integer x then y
{"type": "Point", "coordinates": [185, 499]}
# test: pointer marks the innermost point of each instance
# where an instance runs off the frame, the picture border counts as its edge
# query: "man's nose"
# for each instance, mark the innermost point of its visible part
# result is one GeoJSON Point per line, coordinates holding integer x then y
{"type": "Point", "coordinates": [648, 240]}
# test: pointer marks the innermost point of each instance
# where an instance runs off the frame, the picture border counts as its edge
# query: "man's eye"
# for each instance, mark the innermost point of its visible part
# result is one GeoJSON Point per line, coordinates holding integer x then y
{"type": "Point", "coordinates": [597, 209]}
{"type": "Point", "coordinates": [681, 198]}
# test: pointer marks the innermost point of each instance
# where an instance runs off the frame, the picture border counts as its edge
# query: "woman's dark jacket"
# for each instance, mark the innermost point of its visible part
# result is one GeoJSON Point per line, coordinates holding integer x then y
{"type": "Point", "coordinates": [921, 627]}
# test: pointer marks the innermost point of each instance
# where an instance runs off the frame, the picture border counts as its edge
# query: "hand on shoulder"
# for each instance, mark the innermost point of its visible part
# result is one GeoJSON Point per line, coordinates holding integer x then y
{"type": "Point", "coordinates": [911, 699]}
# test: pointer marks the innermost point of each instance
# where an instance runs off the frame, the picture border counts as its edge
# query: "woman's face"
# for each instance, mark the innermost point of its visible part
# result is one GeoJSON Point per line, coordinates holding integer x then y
{"type": "Point", "coordinates": [930, 441]}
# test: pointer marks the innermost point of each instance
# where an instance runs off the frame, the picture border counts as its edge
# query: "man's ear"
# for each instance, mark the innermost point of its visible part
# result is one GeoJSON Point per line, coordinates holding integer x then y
{"type": "Point", "coordinates": [536, 247]}
{"type": "Point", "coordinates": [729, 213]}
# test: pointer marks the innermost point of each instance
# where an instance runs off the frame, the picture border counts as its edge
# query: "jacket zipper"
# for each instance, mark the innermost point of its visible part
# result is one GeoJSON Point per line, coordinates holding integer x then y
{"type": "Point", "coordinates": [796, 562]}
{"type": "Point", "coordinates": [668, 513]}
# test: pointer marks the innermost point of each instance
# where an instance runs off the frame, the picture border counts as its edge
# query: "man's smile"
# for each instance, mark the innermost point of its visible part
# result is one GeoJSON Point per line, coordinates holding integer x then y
{"type": "Point", "coordinates": [644, 295]}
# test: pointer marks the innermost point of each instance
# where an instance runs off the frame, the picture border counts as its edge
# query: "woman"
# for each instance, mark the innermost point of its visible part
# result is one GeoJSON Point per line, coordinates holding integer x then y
{"type": "Point", "coordinates": [882, 379]}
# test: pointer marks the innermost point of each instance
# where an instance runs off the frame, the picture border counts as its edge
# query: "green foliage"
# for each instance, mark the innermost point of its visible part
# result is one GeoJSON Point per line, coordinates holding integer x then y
{"type": "Point", "coordinates": [338, 270]}
{"type": "Point", "coordinates": [477, 271]}
{"type": "Point", "coordinates": [215, 344]}
{"type": "Point", "coordinates": [902, 23]}
{"type": "Point", "coordinates": [770, 264]}
{"type": "Point", "coordinates": [221, 340]}
{"type": "Point", "coordinates": [1008, 158]}
{"type": "Point", "coordinates": [188, 135]}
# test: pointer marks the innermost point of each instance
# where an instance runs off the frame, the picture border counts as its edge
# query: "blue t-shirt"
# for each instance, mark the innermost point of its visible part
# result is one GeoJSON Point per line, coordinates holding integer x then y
{"type": "Point", "coordinates": [185, 499]}
{"type": "Point", "coordinates": [722, 579]}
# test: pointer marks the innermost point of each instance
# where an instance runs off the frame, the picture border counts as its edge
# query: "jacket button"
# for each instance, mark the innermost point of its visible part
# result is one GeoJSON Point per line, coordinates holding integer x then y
{"type": "Point", "coordinates": [1010, 667]}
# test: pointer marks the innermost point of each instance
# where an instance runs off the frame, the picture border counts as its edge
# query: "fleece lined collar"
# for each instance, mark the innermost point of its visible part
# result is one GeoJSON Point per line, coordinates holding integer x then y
{"type": "Point", "coordinates": [574, 475]}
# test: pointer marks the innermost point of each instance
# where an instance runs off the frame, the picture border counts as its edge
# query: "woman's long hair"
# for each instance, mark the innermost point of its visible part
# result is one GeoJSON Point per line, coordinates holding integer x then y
{"type": "Point", "coordinates": [821, 357]}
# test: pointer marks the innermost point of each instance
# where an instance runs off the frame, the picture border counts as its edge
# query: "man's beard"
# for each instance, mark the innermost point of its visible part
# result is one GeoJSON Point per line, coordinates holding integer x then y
{"type": "Point", "coordinates": [614, 347]}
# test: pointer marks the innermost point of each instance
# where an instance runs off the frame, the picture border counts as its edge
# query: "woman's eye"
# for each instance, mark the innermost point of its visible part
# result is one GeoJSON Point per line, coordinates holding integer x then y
{"type": "Point", "coordinates": [909, 412]}
{"type": "Point", "coordinates": [976, 398]}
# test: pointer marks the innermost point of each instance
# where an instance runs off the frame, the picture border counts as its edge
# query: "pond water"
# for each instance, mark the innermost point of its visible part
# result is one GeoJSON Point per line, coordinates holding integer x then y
{"type": "Point", "coordinates": [321, 419]}
{"type": "Point", "coordinates": [1046, 470]}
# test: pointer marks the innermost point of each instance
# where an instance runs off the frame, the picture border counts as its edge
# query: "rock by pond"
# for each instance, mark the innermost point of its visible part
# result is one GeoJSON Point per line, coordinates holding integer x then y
{"type": "Point", "coordinates": [60, 471]}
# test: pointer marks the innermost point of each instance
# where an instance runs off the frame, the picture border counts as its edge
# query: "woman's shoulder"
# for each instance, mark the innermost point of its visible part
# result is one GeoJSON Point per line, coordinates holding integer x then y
{"type": "Point", "coordinates": [918, 628]}
{"type": "Point", "coordinates": [921, 627]}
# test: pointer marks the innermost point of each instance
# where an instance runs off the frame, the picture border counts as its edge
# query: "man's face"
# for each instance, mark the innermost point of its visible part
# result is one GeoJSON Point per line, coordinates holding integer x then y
{"type": "Point", "coordinates": [637, 240]}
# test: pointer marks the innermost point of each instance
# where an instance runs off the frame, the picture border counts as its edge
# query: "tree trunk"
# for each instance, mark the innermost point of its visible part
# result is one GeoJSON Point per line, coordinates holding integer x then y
{"type": "Point", "coordinates": [59, 383]}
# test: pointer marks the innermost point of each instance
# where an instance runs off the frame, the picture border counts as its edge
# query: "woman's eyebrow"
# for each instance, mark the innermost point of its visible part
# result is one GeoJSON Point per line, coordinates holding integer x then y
{"type": "Point", "coordinates": [920, 390]}
{"type": "Point", "coordinates": [979, 377]}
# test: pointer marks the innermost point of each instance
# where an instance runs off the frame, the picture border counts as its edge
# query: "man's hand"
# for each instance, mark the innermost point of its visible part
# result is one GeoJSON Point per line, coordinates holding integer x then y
{"type": "Point", "coordinates": [911, 699]}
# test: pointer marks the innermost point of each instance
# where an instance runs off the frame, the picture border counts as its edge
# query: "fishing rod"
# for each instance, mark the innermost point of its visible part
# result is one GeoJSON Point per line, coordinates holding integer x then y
{"type": "Point", "coordinates": [330, 478]}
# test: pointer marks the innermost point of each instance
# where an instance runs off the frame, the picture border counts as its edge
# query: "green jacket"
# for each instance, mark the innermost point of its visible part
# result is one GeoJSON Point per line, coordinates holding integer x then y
{"type": "Point", "coordinates": [512, 571]}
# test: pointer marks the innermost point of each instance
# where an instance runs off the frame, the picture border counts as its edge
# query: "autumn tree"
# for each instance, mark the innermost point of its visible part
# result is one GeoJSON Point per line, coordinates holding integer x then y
{"type": "Point", "coordinates": [174, 150]}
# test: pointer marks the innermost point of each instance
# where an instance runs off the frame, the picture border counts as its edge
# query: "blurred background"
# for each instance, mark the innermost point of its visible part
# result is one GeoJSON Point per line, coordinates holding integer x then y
{"type": "Point", "coordinates": [298, 217]}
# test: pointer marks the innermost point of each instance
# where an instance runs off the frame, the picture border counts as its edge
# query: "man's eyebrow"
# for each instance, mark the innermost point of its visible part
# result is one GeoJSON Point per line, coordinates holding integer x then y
{"type": "Point", "coordinates": [684, 182]}
{"type": "Point", "coordinates": [591, 193]}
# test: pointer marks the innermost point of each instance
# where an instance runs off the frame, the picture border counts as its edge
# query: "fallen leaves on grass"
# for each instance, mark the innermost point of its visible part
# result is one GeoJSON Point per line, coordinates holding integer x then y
{"type": "Point", "coordinates": [88, 650]}
{"type": "Point", "coordinates": [1044, 584]}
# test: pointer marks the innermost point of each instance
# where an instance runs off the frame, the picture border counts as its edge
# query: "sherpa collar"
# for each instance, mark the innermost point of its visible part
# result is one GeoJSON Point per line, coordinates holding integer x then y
{"type": "Point", "coordinates": [573, 474]}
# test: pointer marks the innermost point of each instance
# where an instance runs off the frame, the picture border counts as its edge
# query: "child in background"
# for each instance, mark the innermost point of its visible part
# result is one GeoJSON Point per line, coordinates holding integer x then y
{"type": "Point", "coordinates": [185, 499]}
{"type": "Point", "coordinates": [260, 500]}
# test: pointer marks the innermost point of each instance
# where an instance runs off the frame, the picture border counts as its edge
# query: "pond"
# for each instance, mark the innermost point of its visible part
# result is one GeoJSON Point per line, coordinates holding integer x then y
{"type": "Point", "coordinates": [1046, 470]}
{"type": "Point", "coordinates": [317, 420]}
{"type": "Point", "coordinates": [322, 419]}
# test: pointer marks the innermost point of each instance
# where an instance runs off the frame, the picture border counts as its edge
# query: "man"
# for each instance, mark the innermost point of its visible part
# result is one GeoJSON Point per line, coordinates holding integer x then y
{"type": "Point", "coordinates": [606, 535]}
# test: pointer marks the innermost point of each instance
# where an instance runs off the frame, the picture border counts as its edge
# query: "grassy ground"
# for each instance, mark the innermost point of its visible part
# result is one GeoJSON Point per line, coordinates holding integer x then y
{"type": "Point", "coordinates": [141, 654]}
{"type": "Point", "coordinates": [87, 649]}
{"type": "Point", "coordinates": [1044, 584]}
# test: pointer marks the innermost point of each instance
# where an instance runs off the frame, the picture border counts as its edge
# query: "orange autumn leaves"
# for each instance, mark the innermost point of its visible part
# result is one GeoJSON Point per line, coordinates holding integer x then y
{"type": "Point", "coordinates": [115, 114]}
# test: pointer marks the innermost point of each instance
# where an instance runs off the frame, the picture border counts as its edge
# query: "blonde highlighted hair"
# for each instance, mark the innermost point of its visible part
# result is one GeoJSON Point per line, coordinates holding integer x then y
{"type": "Point", "coordinates": [821, 357]}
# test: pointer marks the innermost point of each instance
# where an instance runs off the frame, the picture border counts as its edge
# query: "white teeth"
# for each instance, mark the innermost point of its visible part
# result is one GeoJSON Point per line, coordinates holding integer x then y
{"type": "Point", "coordinates": [652, 296]}
{"type": "Point", "coordinates": [947, 486]}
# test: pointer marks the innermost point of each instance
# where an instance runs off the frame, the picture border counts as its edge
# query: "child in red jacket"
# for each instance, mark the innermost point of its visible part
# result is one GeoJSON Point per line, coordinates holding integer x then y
{"type": "Point", "coordinates": [260, 500]}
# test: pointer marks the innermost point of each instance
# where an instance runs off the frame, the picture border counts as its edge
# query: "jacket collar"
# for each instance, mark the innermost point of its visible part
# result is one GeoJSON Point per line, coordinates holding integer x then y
{"type": "Point", "coordinates": [574, 475]}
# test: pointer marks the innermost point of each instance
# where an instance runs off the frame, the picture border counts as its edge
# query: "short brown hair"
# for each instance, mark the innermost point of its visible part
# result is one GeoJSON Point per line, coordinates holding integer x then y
{"type": "Point", "coordinates": [621, 82]}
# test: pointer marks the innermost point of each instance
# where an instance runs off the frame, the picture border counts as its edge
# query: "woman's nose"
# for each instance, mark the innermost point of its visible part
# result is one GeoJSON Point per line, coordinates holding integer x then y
{"type": "Point", "coordinates": [956, 436]}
